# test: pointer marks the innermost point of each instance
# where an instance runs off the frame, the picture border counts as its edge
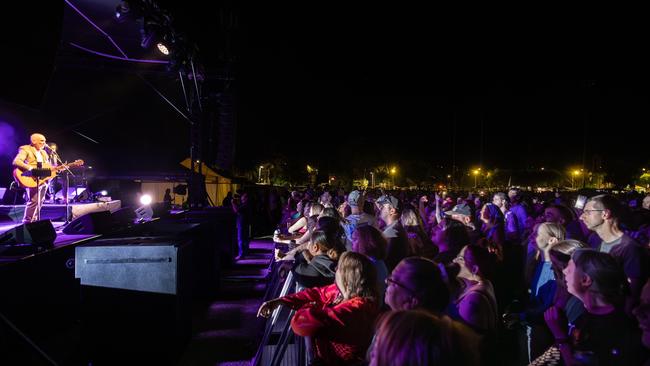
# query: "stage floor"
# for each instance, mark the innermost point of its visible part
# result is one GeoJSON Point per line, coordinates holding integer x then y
{"type": "Point", "coordinates": [57, 212]}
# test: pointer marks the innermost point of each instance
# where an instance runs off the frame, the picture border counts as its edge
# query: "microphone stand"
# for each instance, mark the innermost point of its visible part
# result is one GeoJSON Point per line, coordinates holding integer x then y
{"type": "Point", "coordinates": [67, 183]}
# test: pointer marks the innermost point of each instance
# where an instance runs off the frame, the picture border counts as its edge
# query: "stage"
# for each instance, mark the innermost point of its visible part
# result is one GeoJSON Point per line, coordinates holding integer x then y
{"type": "Point", "coordinates": [61, 240]}
{"type": "Point", "coordinates": [57, 212]}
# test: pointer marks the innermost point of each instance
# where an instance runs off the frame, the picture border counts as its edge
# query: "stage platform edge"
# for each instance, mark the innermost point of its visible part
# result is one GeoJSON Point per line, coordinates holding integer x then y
{"type": "Point", "coordinates": [56, 212]}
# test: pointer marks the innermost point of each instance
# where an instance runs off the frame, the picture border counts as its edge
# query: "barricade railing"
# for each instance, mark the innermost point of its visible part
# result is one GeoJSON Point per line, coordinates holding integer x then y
{"type": "Point", "coordinates": [281, 283]}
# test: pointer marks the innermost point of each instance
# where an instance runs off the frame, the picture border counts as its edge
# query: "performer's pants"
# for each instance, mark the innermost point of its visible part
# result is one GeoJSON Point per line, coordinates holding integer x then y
{"type": "Point", "coordinates": [32, 203]}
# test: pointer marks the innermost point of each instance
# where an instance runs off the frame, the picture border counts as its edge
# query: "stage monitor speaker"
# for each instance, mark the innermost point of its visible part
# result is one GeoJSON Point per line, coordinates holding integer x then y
{"type": "Point", "coordinates": [39, 233]}
{"type": "Point", "coordinates": [125, 216]}
{"type": "Point", "coordinates": [92, 223]}
{"type": "Point", "coordinates": [13, 195]}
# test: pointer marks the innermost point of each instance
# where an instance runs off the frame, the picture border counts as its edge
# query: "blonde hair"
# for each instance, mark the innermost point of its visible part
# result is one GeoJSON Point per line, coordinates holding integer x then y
{"type": "Point", "coordinates": [359, 275]}
{"type": "Point", "coordinates": [410, 218]}
{"type": "Point", "coordinates": [553, 230]}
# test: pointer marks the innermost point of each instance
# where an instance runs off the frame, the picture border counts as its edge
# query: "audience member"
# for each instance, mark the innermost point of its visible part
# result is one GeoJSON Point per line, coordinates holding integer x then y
{"type": "Point", "coordinates": [339, 318]}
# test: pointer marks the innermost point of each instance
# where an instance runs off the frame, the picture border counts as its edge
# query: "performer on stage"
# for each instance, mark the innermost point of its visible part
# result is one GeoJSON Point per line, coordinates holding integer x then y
{"type": "Point", "coordinates": [29, 157]}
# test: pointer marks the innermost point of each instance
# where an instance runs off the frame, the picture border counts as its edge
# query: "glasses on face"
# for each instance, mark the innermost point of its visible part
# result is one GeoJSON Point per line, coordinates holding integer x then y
{"type": "Point", "coordinates": [390, 280]}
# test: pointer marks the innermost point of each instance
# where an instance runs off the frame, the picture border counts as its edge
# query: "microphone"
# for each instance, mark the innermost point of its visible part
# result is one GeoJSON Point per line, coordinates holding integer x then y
{"type": "Point", "coordinates": [53, 151]}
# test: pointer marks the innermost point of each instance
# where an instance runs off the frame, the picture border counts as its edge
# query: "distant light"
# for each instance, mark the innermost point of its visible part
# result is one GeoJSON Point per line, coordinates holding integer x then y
{"type": "Point", "coordinates": [162, 48]}
{"type": "Point", "coordinates": [121, 10]}
{"type": "Point", "coordinates": [103, 193]}
{"type": "Point", "coordinates": [542, 168]}
{"type": "Point", "coordinates": [145, 199]}
{"type": "Point", "coordinates": [448, 176]}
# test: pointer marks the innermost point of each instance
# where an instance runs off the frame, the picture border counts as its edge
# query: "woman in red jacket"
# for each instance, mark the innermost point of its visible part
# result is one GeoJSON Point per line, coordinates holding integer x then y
{"type": "Point", "coordinates": [339, 317]}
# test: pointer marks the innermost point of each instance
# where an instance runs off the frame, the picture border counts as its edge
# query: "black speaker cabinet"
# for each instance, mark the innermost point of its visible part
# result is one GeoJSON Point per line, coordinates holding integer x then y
{"type": "Point", "coordinates": [39, 233]}
{"type": "Point", "coordinates": [91, 223]}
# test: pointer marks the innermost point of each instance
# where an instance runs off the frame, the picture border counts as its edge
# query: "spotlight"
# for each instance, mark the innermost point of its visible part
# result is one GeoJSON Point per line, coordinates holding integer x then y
{"type": "Point", "coordinates": [145, 199]}
{"type": "Point", "coordinates": [162, 48]}
{"type": "Point", "coordinates": [103, 193]}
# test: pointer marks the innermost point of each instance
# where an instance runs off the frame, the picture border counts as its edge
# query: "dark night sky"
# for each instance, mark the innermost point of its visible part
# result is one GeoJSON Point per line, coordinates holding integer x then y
{"type": "Point", "coordinates": [334, 84]}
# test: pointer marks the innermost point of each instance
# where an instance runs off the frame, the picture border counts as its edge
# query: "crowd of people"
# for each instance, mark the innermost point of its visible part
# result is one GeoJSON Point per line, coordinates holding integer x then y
{"type": "Point", "coordinates": [509, 278]}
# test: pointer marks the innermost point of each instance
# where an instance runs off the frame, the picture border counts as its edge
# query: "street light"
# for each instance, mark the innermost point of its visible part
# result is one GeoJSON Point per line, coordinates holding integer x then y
{"type": "Point", "coordinates": [574, 173]}
{"type": "Point", "coordinates": [393, 170]}
{"type": "Point", "coordinates": [476, 172]}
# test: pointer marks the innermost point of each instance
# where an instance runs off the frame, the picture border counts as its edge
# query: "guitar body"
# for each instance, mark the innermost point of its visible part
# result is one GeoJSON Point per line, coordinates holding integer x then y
{"type": "Point", "coordinates": [25, 180]}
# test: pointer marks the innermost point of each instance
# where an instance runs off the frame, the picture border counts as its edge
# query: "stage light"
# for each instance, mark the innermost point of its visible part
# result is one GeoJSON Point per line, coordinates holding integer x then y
{"type": "Point", "coordinates": [145, 199]}
{"type": "Point", "coordinates": [162, 48]}
{"type": "Point", "coordinates": [103, 193]}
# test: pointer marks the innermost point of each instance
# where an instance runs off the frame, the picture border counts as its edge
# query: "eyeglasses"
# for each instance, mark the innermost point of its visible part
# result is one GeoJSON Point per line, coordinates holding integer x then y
{"type": "Point", "coordinates": [391, 280]}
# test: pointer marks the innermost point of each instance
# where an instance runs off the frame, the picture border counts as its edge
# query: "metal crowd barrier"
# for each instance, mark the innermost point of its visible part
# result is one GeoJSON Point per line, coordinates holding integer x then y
{"type": "Point", "coordinates": [276, 353]}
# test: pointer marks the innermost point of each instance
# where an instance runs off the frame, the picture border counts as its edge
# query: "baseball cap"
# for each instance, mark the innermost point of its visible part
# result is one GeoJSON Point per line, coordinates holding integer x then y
{"type": "Point", "coordinates": [460, 209]}
{"type": "Point", "coordinates": [391, 200]}
{"type": "Point", "coordinates": [355, 198]}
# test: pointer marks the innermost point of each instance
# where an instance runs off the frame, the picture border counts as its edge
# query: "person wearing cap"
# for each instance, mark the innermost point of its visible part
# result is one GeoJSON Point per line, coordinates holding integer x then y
{"type": "Point", "coordinates": [390, 212]}
{"type": "Point", "coordinates": [463, 213]}
{"type": "Point", "coordinates": [355, 201]}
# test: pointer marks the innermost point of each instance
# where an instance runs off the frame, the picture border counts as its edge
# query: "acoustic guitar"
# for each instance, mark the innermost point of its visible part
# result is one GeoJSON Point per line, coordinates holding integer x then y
{"type": "Point", "coordinates": [27, 180]}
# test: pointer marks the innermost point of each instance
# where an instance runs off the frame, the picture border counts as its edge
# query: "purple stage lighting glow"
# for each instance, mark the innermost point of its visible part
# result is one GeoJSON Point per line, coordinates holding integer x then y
{"type": "Point", "coordinates": [145, 199]}
{"type": "Point", "coordinates": [8, 144]}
